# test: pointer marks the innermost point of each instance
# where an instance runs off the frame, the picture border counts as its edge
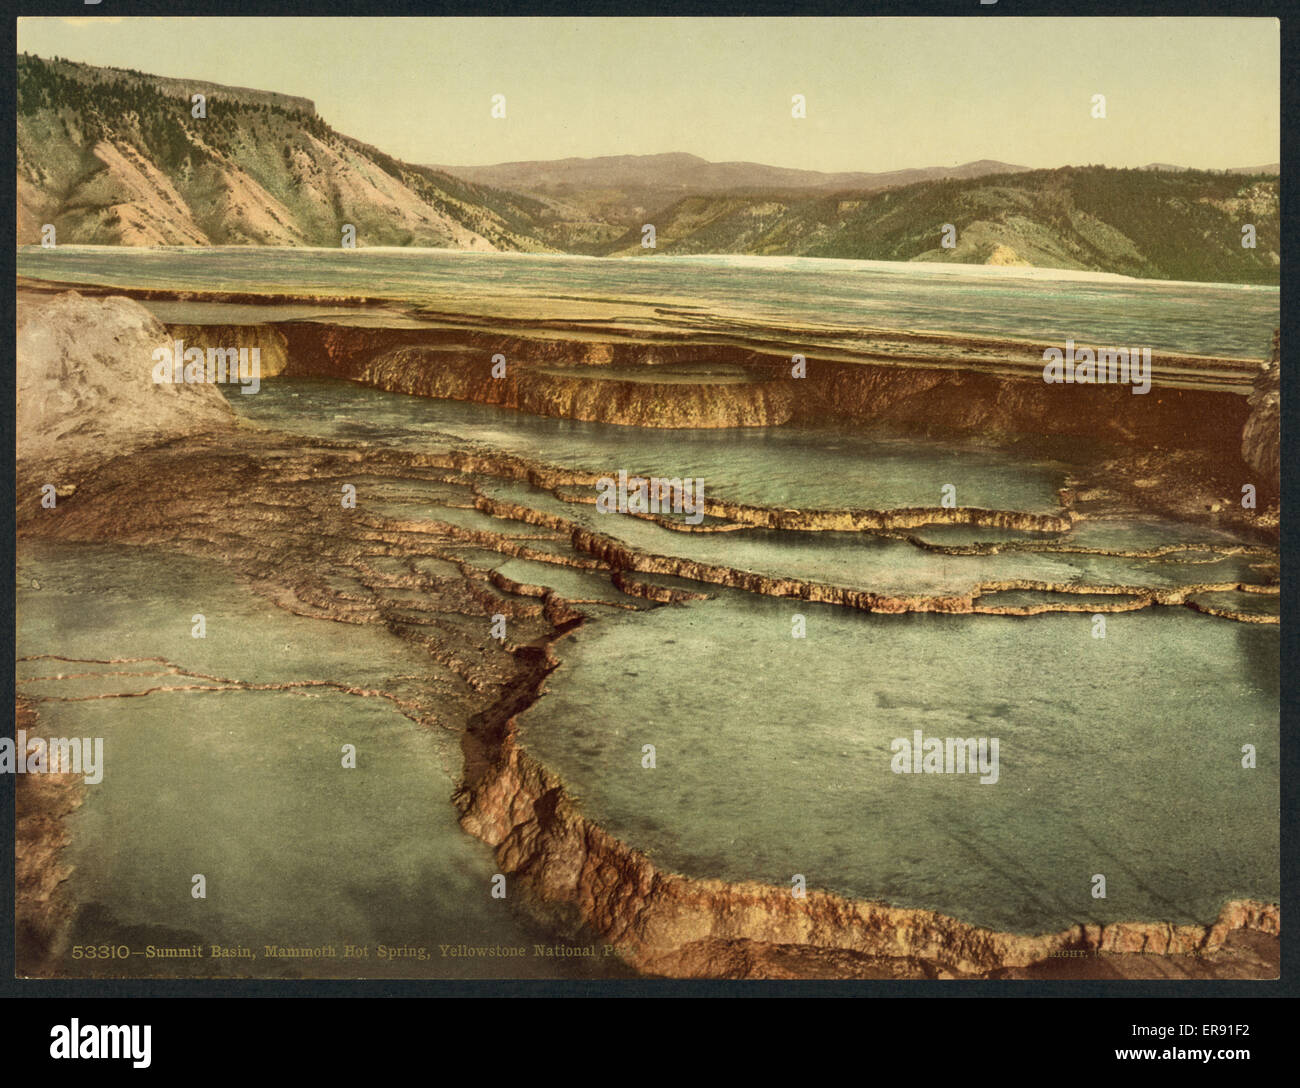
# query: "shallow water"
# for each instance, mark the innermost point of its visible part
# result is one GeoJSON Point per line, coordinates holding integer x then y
{"type": "Point", "coordinates": [878, 563]}
{"type": "Point", "coordinates": [1214, 319]}
{"type": "Point", "coordinates": [1119, 756]}
{"type": "Point", "coordinates": [776, 467]}
{"type": "Point", "coordinates": [808, 468]}
{"type": "Point", "coordinates": [247, 787]}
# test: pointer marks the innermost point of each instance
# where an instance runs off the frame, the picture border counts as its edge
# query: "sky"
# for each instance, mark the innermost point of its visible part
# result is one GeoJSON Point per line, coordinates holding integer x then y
{"type": "Point", "coordinates": [881, 93]}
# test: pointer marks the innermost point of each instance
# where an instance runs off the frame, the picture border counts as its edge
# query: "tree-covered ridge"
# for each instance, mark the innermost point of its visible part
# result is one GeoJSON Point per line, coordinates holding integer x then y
{"type": "Point", "coordinates": [1155, 224]}
{"type": "Point", "coordinates": [107, 106]}
{"type": "Point", "coordinates": [117, 156]}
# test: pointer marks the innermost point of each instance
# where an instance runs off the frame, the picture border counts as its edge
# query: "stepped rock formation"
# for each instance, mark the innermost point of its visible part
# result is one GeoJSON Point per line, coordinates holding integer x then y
{"type": "Point", "coordinates": [265, 505]}
{"type": "Point", "coordinates": [626, 377]}
{"type": "Point", "coordinates": [268, 502]}
{"type": "Point", "coordinates": [1179, 448]}
{"type": "Point", "coordinates": [593, 397]}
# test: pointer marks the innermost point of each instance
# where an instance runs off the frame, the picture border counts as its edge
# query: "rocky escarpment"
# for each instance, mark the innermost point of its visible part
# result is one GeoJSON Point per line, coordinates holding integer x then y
{"type": "Point", "coordinates": [110, 157]}
{"type": "Point", "coordinates": [925, 384]}
{"type": "Point", "coordinates": [936, 401]}
{"type": "Point", "coordinates": [931, 383]}
{"type": "Point", "coordinates": [430, 372]}
{"type": "Point", "coordinates": [1261, 439]}
{"type": "Point", "coordinates": [272, 347]}
{"type": "Point", "coordinates": [1177, 449]}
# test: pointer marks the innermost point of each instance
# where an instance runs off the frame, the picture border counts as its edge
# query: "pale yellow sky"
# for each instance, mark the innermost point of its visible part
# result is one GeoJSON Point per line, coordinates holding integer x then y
{"type": "Point", "coordinates": [882, 94]}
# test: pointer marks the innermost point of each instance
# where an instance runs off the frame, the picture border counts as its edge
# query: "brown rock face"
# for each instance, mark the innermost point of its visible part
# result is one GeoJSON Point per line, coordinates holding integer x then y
{"type": "Point", "coordinates": [41, 904]}
{"type": "Point", "coordinates": [273, 349]}
{"type": "Point", "coordinates": [989, 388]}
{"type": "Point", "coordinates": [1261, 439]}
{"type": "Point", "coordinates": [595, 398]}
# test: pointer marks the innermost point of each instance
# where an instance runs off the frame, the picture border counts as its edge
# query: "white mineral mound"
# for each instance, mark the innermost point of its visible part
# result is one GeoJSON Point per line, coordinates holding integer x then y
{"type": "Point", "coordinates": [85, 384]}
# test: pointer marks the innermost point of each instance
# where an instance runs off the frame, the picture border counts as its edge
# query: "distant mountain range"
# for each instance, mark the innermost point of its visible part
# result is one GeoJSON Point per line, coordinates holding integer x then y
{"type": "Point", "coordinates": [679, 173]}
{"type": "Point", "coordinates": [591, 202]}
{"type": "Point", "coordinates": [621, 188]}
{"type": "Point", "coordinates": [1184, 225]}
{"type": "Point", "coordinates": [113, 156]}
